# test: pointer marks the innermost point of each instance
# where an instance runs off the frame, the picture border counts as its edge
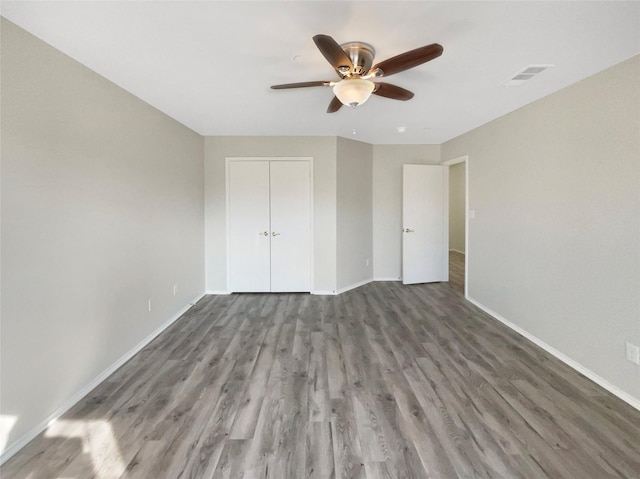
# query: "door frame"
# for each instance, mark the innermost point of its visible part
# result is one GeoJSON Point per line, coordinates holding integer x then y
{"type": "Point", "coordinates": [464, 159]}
{"type": "Point", "coordinates": [309, 159]}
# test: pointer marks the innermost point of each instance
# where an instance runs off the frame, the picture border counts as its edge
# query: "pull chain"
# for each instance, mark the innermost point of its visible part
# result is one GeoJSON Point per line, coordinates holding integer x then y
{"type": "Point", "coordinates": [353, 118]}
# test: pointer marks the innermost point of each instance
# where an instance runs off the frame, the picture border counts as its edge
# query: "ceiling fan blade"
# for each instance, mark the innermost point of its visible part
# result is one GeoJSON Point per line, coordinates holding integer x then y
{"type": "Point", "coordinates": [300, 85]}
{"type": "Point", "coordinates": [409, 59]}
{"type": "Point", "coordinates": [335, 105]}
{"type": "Point", "coordinates": [394, 92]}
{"type": "Point", "coordinates": [333, 52]}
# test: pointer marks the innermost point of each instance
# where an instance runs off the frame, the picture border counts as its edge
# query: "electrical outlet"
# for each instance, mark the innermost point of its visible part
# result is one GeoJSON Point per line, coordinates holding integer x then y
{"type": "Point", "coordinates": [633, 353]}
{"type": "Point", "coordinates": [367, 261]}
{"type": "Point", "coordinates": [175, 289]}
{"type": "Point", "coordinates": [149, 305]}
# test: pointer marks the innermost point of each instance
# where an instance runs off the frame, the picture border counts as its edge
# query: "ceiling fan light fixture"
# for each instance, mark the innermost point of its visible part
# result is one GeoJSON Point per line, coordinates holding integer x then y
{"type": "Point", "coordinates": [353, 91]}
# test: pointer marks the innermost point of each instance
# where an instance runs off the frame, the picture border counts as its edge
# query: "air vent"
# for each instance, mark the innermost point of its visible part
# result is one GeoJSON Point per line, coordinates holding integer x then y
{"type": "Point", "coordinates": [526, 74]}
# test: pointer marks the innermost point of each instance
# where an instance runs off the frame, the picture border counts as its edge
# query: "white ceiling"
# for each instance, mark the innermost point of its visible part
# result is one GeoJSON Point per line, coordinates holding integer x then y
{"type": "Point", "coordinates": [209, 64]}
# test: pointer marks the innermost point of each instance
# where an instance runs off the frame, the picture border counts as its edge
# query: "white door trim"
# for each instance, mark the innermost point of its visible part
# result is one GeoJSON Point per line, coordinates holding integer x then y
{"type": "Point", "coordinates": [228, 160]}
{"type": "Point", "coordinates": [464, 159]}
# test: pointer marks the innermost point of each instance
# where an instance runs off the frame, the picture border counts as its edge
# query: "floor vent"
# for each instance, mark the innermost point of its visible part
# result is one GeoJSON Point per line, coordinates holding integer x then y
{"type": "Point", "coordinates": [526, 74]}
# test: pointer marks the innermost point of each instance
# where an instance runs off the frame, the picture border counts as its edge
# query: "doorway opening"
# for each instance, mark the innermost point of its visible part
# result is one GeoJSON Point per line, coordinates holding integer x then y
{"type": "Point", "coordinates": [459, 223]}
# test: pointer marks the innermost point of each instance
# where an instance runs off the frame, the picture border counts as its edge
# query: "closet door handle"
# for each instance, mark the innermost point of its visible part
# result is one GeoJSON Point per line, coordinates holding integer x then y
{"type": "Point", "coordinates": [266, 233]}
{"type": "Point", "coordinates": [275, 234]}
{"type": "Point", "coordinates": [408, 230]}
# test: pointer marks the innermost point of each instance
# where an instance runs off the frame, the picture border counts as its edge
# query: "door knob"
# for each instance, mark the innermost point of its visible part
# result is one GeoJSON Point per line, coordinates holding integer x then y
{"type": "Point", "coordinates": [266, 233]}
{"type": "Point", "coordinates": [275, 234]}
{"type": "Point", "coordinates": [408, 230]}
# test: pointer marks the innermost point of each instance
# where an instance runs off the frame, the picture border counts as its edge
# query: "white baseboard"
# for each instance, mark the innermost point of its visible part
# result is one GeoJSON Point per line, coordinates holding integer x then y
{"type": "Point", "coordinates": [218, 292]}
{"type": "Point", "coordinates": [629, 399]}
{"type": "Point", "coordinates": [354, 286]}
{"type": "Point", "coordinates": [457, 251]}
{"type": "Point", "coordinates": [73, 400]}
{"type": "Point", "coordinates": [320, 292]}
{"type": "Point", "coordinates": [388, 279]}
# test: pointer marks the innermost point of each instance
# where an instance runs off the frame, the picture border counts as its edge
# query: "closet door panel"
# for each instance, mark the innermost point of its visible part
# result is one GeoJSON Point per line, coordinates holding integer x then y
{"type": "Point", "coordinates": [249, 246]}
{"type": "Point", "coordinates": [290, 226]}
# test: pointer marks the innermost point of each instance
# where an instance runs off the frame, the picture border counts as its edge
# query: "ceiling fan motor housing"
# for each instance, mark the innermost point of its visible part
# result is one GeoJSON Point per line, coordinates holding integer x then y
{"type": "Point", "coordinates": [361, 55]}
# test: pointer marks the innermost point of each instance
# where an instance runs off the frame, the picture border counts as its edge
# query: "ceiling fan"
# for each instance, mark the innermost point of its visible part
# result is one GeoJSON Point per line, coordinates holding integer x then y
{"type": "Point", "coordinates": [353, 62]}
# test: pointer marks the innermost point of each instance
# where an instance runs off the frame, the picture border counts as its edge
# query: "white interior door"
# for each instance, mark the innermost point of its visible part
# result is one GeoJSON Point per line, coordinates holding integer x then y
{"type": "Point", "coordinates": [290, 226]}
{"type": "Point", "coordinates": [249, 228]}
{"type": "Point", "coordinates": [425, 224]}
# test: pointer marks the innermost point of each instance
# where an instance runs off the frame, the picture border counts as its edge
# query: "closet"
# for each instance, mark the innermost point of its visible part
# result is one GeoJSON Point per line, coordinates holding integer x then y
{"type": "Point", "coordinates": [269, 225]}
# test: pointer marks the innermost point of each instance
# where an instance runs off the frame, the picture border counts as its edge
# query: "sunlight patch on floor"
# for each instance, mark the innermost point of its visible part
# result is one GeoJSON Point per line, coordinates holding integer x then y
{"type": "Point", "coordinates": [98, 443]}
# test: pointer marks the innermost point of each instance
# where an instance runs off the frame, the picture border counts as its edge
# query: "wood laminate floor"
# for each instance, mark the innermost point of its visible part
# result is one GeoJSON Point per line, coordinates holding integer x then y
{"type": "Point", "coordinates": [385, 381]}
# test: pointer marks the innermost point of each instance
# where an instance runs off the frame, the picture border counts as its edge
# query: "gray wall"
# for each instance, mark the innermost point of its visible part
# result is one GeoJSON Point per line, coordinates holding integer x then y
{"type": "Point", "coordinates": [456, 207]}
{"type": "Point", "coordinates": [323, 152]}
{"type": "Point", "coordinates": [387, 202]}
{"type": "Point", "coordinates": [354, 246]}
{"type": "Point", "coordinates": [102, 209]}
{"type": "Point", "coordinates": [554, 245]}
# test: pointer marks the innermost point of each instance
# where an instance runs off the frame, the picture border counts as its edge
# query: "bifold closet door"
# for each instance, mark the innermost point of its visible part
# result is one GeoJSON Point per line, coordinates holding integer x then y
{"type": "Point", "coordinates": [249, 228]}
{"type": "Point", "coordinates": [290, 226]}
